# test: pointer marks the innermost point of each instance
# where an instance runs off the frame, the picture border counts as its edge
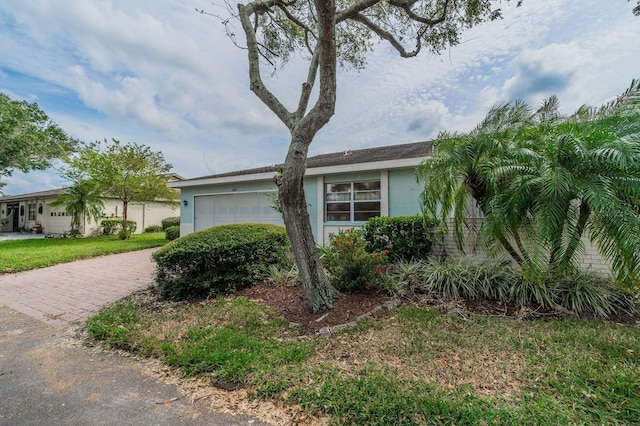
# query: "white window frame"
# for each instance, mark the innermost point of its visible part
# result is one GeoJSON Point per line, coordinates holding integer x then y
{"type": "Point", "coordinates": [352, 200]}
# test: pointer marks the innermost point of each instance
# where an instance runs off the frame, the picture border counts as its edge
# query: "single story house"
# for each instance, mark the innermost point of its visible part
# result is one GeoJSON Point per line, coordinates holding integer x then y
{"type": "Point", "coordinates": [343, 189]}
{"type": "Point", "coordinates": [33, 212]}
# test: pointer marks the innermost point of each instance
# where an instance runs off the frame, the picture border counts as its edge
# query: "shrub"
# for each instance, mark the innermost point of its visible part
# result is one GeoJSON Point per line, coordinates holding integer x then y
{"type": "Point", "coordinates": [579, 293]}
{"type": "Point", "coordinates": [112, 226]}
{"type": "Point", "coordinates": [170, 221]}
{"type": "Point", "coordinates": [172, 233]}
{"type": "Point", "coordinates": [348, 263]}
{"type": "Point", "coordinates": [153, 228]}
{"type": "Point", "coordinates": [219, 259]}
{"type": "Point", "coordinates": [405, 237]}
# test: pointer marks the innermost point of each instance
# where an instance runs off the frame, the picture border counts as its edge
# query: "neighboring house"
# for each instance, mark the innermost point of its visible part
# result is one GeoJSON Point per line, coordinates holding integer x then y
{"type": "Point", "coordinates": [33, 211]}
{"type": "Point", "coordinates": [342, 189]}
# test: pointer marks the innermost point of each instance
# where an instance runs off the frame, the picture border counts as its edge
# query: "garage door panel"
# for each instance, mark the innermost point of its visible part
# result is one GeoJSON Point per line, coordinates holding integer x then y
{"type": "Point", "coordinates": [224, 209]}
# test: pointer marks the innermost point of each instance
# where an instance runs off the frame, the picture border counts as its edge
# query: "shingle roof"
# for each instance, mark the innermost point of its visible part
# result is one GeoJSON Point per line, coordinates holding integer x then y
{"type": "Point", "coordinates": [41, 194]}
{"type": "Point", "coordinates": [367, 155]}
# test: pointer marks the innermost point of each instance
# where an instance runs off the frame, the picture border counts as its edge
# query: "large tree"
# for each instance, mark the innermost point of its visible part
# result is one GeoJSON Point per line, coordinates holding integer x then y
{"type": "Point", "coordinates": [29, 140]}
{"type": "Point", "coordinates": [128, 172]}
{"type": "Point", "coordinates": [329, 33]}
{"type": "Point", "coordinates": [544, 181]}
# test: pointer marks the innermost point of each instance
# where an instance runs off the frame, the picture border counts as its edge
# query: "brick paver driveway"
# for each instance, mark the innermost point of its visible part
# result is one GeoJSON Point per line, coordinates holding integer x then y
{"type": "Point", "coordinates": [70, 292]}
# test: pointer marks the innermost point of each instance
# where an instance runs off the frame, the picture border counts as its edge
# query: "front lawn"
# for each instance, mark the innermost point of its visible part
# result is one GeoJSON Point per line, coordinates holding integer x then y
{"type": "Point", "coordinates": [418, 365]}
{"type": "Point", "coordinates": [22, 255]}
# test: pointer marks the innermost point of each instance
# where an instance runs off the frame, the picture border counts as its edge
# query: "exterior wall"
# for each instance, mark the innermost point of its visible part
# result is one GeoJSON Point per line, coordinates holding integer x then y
{"type": "Point", "coordinates": [404, 193]}
{"type": "Point", "coordinates": [590, 258]}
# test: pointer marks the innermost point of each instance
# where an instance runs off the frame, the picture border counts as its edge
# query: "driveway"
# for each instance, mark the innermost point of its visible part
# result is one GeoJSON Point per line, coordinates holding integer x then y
{"type": "Point", "coordinates": [45, 379]}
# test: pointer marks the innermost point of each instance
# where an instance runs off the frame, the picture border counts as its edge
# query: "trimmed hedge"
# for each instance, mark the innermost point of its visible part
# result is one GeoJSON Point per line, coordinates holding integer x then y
{"type": "Point", "coordinates": [172, 233]}
{"type": "Point", "coordinates": [112, 226]}
{"type": "Point", "coordinates": [406, 237]}
{"type": "Point", "coordinates": [219, 259]}
{"type": "Point", "coordinates": [153, 228]}
{"type": "Point", "coordinates": [170, 221]}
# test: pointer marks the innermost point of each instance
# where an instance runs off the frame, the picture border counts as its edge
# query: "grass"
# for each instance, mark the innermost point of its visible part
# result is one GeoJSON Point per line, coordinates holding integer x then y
{"type": "Point", "coordinates": [22, 255]}
{"type": "Point", "coordinates": [417, 366]}
{"type": "Point", "coordinates": [229, 339]}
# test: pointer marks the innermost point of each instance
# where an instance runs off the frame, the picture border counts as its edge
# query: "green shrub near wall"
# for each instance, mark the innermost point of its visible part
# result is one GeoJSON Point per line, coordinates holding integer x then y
{"type": "Point", "coordinates": [406, 237]}
{"type": "Point", "coordinates": [112, 226]}
{"type": "Point", "coordinates": [172, 233]}
{"type": "Point", "coordinates": [219, 259]}
{"type": "Point", "coordinates": [170, 221]}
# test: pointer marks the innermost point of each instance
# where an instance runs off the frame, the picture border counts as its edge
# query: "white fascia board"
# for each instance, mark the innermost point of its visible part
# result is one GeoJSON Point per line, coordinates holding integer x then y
{"type": "Point", "coordinates": [317, 171]}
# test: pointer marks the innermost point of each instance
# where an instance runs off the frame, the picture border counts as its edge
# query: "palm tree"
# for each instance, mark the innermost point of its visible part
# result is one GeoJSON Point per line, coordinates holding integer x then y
{"type": "Point", "coordinates": [80, 200]}
{"type": "Point", "coordinates": [551, 180]}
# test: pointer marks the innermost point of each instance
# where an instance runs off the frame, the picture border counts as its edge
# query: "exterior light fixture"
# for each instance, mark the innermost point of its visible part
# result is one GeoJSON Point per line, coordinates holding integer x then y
{"type": "Point", "coordinates": [185, 203]}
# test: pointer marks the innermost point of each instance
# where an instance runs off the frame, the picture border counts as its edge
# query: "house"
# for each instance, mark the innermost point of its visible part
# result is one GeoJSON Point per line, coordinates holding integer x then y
{"type": "Point", "coordinates": [33, 212]}
{"type": "Point", "coordinates": [343, 189]}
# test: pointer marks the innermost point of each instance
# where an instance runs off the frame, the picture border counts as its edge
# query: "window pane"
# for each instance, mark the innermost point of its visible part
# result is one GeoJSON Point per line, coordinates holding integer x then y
{"type": "Point", "coordinates": [364, 216]}
{"type": "Point", "coordinates": [367, 207]}
{"type": "Point", "coordinates": [366, 186]}
{"type": "Point", "coordinates": [368, 195]}
{"type": "Point", "coordinates": [338, 217]}
{"type": "Point", "coordinates": [344, 196]}
{"type": "Point", "coordinates": [338, 187]}
{"type": "Point", "coordinates": [338, 207]}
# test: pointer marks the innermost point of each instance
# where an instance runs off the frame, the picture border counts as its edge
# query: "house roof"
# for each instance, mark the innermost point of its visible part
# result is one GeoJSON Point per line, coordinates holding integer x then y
{"type": "Point", "coordinates": [344, 158]}
{"type": "Point", "coordinates": [51, 193]}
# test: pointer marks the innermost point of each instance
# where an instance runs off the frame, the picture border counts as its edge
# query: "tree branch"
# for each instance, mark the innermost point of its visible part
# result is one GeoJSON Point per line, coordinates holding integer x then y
{"type": "Point", "coordinates": [255, 80]}
{"type": "Point", "coordinates": [385, 35]}
{"type": "Point", "coordinates": [354, 9]}
{"type": "Point", "coordinates": [407, 5]}
{"type": "Point", "coordinates": [308, 85]}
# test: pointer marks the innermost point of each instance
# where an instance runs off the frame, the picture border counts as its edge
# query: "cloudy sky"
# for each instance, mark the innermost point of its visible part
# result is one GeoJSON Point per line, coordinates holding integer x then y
{"type": "Point", "coordinates": [157, 73]}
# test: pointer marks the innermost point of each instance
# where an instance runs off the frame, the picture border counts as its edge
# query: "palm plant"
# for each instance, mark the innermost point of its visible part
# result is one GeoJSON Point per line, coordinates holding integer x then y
{"type": "Point", "coordinates": [80, 201]}
{"type": "Point", "coordinates": [549, 180]}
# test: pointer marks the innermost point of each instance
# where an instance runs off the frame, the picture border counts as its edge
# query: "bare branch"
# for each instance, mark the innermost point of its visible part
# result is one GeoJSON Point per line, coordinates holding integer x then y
{"type": "Point", "coordinates": [355, 9]}
{"type": "Point", "coordinates": [385, 35]}
{"type": "Point", "coordinates": [295, 20]}
{"type": "Point", "coordinates": [407, 5]}
{"type": "Point", "coordinates": [307, 86]}
{"type": "Point", "coordinates": [255, 80]}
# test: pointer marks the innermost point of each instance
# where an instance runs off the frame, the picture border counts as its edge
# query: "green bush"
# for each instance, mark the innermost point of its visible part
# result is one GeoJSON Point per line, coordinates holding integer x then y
{"type": "Point", "coordinates": [153, 228]}
{"type": "Point", "coordinates": [170, 221]}
{"type": "Point", "coordinates": [579, 293]}
{"type": "Point", "coordinates": [172, 233]}
{"type": "Point", "coordinates": [405, 237]}
{"type": "Point", "coordinates": [349, 265]}
{"type": "Point", "coordinates": [219, 259]}
{"type": "Point", "coordinates": [113, 226]}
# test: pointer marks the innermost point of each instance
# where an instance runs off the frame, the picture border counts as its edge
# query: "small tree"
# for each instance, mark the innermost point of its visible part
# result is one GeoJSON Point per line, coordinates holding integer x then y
{"type": "Point", "coordinates": [329, 33]}
{"type": "Point", "coordinates": [128, 172]}
{"type": "Point", "coordinates": [29, 140]}
{"type": "Point", "coordinates": [80, 201]}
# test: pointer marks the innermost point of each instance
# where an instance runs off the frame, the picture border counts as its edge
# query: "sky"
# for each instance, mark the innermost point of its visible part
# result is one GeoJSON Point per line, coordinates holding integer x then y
{"type": "Point", "coordinates": [157, 73]}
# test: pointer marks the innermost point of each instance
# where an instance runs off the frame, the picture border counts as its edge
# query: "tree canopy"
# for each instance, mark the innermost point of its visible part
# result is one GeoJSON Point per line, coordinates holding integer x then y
{"type": "Point", "coordinates": [128, 172]}
{"type": "Point", "coordinates": [29, 140]}
{"type": "Point", "coordinates": [544, 180]}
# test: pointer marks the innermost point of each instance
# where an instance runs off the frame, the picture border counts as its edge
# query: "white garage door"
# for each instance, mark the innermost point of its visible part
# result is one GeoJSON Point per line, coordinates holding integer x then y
{"type": "Point", "coordinates": [56, 221]}
{"type": "Point", "coordinates": [223, 209]}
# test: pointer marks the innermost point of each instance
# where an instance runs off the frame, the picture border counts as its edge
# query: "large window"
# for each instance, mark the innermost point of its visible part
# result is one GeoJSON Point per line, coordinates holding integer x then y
{"type": "Point", "coordinates": [32, 212]}
{"type": "Point", "coordinates": [353, 201]}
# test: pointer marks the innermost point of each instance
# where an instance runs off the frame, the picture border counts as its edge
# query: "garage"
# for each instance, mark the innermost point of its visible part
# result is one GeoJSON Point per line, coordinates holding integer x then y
{"type": "Point", "coordinates": [246, 207]}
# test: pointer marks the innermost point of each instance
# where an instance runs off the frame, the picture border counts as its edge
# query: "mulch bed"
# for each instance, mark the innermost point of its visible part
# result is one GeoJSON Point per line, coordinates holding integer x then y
{"type": "Point", "coordinates": [290, 302]}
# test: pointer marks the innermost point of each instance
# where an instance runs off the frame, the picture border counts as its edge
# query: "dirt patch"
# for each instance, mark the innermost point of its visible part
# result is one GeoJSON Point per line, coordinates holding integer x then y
{"type": "Point", "coordinates": [290, 302]}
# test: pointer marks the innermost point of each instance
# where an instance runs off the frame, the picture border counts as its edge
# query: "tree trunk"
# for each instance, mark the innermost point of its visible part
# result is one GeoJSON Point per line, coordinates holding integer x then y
{"type": "Point", "coordinates": [125, 226]}
{"type": "Point", "coordinates": [319, 292]}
